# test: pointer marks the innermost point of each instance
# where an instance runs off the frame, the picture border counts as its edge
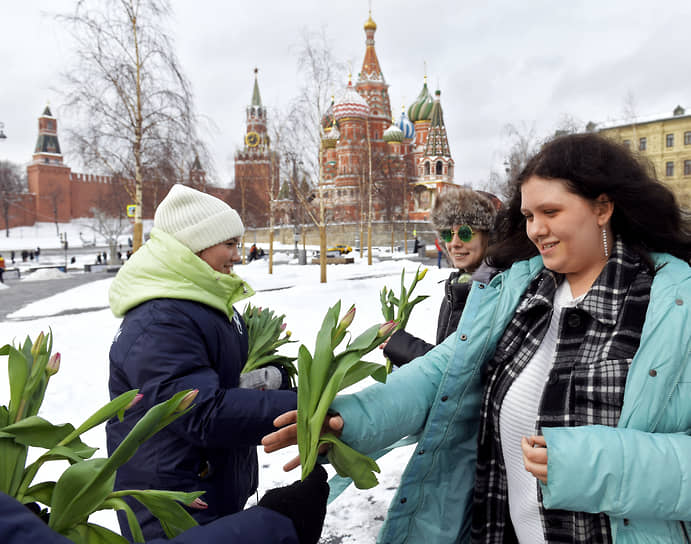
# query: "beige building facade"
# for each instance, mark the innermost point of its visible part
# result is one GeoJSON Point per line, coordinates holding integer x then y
{"type": "Point", "coordinates": [666, 143]}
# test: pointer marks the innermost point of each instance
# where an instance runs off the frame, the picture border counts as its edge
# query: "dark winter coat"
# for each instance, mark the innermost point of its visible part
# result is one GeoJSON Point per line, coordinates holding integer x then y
{"type": "Point", "coordinates": [167, 345]}
{"type": "Point", "coordinates": [18, 525]}
{"type": "Point", "coordinates": [403, 347]}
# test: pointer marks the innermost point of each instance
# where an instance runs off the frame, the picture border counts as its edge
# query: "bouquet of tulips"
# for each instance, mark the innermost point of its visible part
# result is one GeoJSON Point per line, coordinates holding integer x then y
{"type": "Point", "coordinates": [320, 377]}
{"type": "Point", "coordinates": [401, 306]}
{"type": "Point", "coordinates": [264, 330]}
{"type": "Point", "coordinates": [86, 486]}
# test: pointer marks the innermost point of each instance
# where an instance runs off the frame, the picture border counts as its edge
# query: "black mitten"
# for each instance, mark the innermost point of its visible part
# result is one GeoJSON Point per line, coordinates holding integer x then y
{"type": "Point", "coordinates": [303, 502]}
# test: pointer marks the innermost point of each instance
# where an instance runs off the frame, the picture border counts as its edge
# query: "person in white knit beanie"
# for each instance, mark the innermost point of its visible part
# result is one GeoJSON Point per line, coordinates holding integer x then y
{"type": "Point", "coordinates": [180, 331]}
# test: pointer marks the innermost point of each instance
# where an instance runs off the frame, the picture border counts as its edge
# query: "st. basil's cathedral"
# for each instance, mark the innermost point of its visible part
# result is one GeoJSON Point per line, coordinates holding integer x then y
{"type": "Point", "coordinates": [408, 159]}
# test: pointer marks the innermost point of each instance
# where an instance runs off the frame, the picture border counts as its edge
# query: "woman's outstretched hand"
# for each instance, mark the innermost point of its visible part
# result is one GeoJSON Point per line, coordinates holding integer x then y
{"type": "Point", "coordinates": [287, 434]}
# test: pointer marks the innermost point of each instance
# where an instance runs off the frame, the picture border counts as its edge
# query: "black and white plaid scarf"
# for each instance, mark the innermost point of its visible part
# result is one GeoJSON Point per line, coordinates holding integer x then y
{"type": "Point", "coordinates": [596, 342]}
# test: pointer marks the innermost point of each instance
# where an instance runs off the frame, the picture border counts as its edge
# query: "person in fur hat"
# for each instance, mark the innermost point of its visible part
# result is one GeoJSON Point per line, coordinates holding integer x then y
{"type": "Point", "coordinates": [180, 331]}
{"type": "Point", "coordinates": [464, 220]}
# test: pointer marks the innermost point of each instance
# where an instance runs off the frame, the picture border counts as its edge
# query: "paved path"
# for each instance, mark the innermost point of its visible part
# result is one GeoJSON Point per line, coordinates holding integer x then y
{"type": "Point", "coordinates": [21, 293]}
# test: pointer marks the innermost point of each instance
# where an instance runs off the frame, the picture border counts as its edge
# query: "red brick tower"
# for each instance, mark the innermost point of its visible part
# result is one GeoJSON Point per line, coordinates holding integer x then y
{"type": "Point", "coordinates": [256, 166]}
{"type": "Point", "coordinates": [48, 177]}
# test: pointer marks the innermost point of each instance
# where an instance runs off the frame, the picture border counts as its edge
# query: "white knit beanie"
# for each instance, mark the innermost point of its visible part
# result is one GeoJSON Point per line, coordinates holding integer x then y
{"type": "Point", "coordinates": [196, 219]}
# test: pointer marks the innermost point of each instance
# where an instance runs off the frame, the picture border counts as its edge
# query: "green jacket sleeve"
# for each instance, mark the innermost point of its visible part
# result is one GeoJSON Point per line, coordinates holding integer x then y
{"type": "Point", "coordinates": [621, 472]}
{"type": "Point", "coordinates": [381, 414]}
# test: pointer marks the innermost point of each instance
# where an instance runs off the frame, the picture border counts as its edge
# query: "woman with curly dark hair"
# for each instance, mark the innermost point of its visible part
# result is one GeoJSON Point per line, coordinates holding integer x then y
{"type": "Point", "coordinates": [560, 410]}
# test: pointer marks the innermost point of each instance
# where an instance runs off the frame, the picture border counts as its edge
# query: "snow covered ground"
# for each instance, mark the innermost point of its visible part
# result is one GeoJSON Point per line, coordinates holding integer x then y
{"type": "Point", "coordinates": [83, 339]}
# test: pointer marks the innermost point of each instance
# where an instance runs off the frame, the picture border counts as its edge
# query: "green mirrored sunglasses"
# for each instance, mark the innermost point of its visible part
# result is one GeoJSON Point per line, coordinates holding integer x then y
{"type": "Point", "coordinates": [465, 234]}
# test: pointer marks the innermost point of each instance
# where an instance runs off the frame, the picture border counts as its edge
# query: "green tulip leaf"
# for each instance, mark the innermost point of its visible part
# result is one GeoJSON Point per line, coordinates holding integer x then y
{"type": "Point", "coordinates": [351, 463]}
{"type": "Point", "coordinates": [42, 493]}
{"type": "Point", "coordinates": [89, 533]}
{"type": "Point", "coordinates": [173, 517]}
{"type": "Point", "coordinates": [115, 503]}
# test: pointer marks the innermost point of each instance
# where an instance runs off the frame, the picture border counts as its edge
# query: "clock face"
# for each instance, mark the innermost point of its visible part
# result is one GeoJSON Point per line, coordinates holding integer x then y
{"type": "Point", "coordinates": [252, 139]}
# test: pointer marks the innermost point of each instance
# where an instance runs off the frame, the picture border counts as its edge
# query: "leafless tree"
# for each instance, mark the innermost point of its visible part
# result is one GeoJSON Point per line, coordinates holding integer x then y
{"type": "Point", "coordinates": [12, 185]}
{"type": "Point", "coordinates": [320, 73]}
{"type": "Point", "coordinates": [110, 227]}
{"type": "Point", "coordinates": [55, 196]}
{"type": "Point", "coordinates": [128, 91]}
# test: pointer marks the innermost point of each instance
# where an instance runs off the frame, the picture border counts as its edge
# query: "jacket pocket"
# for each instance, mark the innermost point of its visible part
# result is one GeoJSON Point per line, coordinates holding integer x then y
{"type": "Point", "coordinates": [598, 391]}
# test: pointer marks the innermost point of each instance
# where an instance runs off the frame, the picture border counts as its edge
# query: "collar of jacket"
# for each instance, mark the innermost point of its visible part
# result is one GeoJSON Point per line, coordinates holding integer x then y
{"type": "Point", "coordinates": [604, 299]}
{"type": "Point", "coordinates": [165, 268]}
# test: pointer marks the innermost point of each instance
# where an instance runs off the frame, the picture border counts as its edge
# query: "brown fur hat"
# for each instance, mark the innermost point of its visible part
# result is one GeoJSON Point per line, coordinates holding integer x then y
{"type": "Point", "coordinates": [463, 206]}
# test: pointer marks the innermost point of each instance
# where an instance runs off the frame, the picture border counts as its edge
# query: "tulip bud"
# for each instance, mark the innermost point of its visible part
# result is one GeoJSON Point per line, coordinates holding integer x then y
{"type": "Point", "coordinates": [53, 364]}
{"type": "Point", "coordinates": [288, 334]}
{"type": "Point", "coordinates": [36, 348]}
{"type": "Point", "coordinates": [422, 274]}
{"type": "Point", "coordinates": [198, 504]}
{"type": "Point", "coordinates": [283, 326]}
{"type": "Point", "coordinates": [347, 319]}
{"type": "Point", "coordinates": [134, 401]}
{"type": "Point", "coordinates": [386, 329]}
{"type": "Point", "coordinates": [187, 400]}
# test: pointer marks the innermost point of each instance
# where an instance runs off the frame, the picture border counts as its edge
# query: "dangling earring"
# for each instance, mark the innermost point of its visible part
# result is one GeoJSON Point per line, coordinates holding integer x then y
{"type": "Point", "coordinates": [604, 241]}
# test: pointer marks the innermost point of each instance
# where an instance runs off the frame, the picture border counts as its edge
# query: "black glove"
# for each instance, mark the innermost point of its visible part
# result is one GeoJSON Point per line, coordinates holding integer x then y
{"type": "Point", "coordinates": [303, 502]}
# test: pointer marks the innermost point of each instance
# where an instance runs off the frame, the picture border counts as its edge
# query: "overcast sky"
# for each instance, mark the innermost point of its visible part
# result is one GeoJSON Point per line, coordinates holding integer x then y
{"type": "Point", "coordinates": [527, 63]}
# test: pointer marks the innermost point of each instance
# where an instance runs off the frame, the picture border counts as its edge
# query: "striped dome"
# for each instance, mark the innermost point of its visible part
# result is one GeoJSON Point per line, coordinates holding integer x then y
{"type": "Point", "coordinates": [350, 104]}
{"type": "Point", "coordinates": [406, 126]}
{"type": "Point", "coordinates": [393, 134]}
{"type": "Point", "coordinates": [421, 109]}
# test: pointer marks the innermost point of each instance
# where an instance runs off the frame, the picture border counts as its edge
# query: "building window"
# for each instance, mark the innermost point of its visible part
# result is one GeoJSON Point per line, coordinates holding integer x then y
{"type": "Point", "coordinates": [669, 168]}
{"type": "Point", "coordinates": [642, 144]}
{"type": "Point", "coordinates": [427, 169]}
{"type": "Point", "coordinates": [687, 138]}
{"type": "Point", "coordinates": [669, 139]}
{"type": "Point", "coordinates": [440, 168]}
{"type": "Point", "coordinates": [627, 143]}
{"type": "Point", "coordinates": [687, 168]}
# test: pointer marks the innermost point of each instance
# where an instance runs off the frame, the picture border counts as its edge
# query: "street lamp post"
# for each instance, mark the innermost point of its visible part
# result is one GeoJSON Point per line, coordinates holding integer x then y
{"type": "Point", "coordinates": [63, 241]}
{"type": "Point", "coordinates": [296, 234]}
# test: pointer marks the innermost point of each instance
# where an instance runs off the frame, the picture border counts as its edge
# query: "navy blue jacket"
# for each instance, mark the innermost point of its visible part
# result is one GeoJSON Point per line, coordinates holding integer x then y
{"type": "Point", "coordinates": [18, 525]}
{"type": "Point", "coordinates": [164, 346]}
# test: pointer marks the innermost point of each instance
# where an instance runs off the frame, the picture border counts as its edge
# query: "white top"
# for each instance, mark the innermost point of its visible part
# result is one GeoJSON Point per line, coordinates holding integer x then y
{"type": "Point", "coordinates": [517, 419]}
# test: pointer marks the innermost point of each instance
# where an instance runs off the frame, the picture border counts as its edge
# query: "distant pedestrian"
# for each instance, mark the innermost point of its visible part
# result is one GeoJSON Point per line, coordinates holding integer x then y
{"type": "Point", "coordinates": [37, 253]}
{"type": "Point", "coordinates": [253, 253]}
{"type": "Point", "coordinates": [98, 259]}
{"type": "Point", "coordinates": [417, 245]}
{"type": "Point", "coordinates": [440, 252]}
{"type": "Point", "coordinates": [105, 258]}
{"type": "Point", "coordinates": [25, 255]}
{"type": "Point", "coordinates": [129, 242]}
{"type": "Point", "coordinates": [12, 256]}
{"type": "Point", "coordinates": [2, 268]}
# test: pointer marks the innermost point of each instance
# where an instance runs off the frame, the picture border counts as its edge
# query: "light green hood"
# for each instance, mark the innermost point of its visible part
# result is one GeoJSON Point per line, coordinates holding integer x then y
{"type": "Point", "coordinates": [164, 268]}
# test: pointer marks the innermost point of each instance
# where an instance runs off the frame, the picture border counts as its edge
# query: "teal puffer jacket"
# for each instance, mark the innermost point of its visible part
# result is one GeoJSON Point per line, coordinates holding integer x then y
{"type": "Point", "coordinates": [638, 473]}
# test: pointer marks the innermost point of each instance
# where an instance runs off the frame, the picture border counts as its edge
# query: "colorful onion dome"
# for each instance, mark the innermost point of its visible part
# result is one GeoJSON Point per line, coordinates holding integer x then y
{"type": "Point", "coordinates": [406, 126]}
{"type": "Point", "coordinates": [393, 134]}
{"type": "Point", "coordinates": [370, 24]}
{"type": "Point", "coordinates": [350, 104]}
{"type": "Point", "coordinates": [421, 109]}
